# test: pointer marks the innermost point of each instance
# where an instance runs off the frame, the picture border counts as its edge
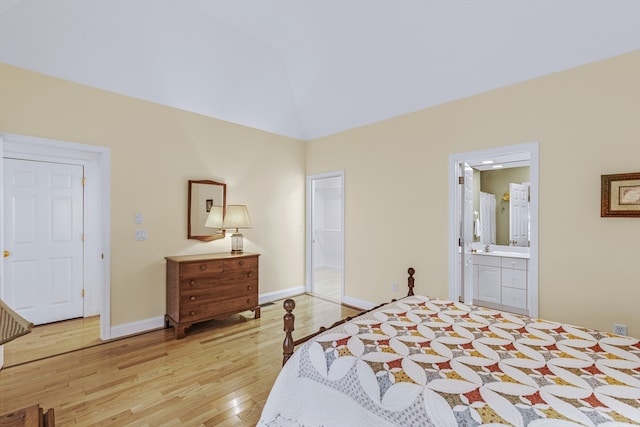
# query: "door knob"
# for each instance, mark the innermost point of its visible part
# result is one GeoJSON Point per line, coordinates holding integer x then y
{"type": "Point", "coordinates": [6, 253]}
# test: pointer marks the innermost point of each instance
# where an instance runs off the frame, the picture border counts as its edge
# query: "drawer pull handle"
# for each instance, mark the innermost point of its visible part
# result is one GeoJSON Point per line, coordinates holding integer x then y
{"type": "Point", "coordinates": [193, 282]}
{"type": "Point", "coordinates": [191, 313]}
{"type": "Point", "coordinates": [240, 262]}
{"type": "Point", "coordinates": [249, 287]}
{"type": "Point", "coordinates": [249, 273]}
{"type": "Point", "coordinates": [192, 298]}
{"type": "Point", "coordinates": [248, 300]}
{"type": "Point", "coordinates": [203, 267]}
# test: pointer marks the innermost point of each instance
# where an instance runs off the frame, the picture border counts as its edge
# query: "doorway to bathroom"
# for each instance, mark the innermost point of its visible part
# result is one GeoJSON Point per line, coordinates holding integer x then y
{"type": "Point", "coordinates": [463, 229]}
{"type": "Point", "coordinates": [325, 235]}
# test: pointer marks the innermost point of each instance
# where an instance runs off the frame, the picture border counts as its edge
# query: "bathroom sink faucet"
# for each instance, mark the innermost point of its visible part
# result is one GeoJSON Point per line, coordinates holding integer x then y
{"type": "Point", "coordinates": [487, 248]}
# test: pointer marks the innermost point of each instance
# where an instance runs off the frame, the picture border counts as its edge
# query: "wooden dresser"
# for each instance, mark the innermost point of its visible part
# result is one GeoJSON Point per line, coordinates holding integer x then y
{"type": "Point", "coordinates": [210, 286]}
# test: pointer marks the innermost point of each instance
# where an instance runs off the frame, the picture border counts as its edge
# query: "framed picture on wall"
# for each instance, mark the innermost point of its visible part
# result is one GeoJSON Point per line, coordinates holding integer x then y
{"type": "Point", "coordinates": [620, 195]}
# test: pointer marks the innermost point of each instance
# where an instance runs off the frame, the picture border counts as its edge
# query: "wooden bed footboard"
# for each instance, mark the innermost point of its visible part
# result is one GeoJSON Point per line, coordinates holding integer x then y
{"type": "Point", "coordinates": [289, 344]}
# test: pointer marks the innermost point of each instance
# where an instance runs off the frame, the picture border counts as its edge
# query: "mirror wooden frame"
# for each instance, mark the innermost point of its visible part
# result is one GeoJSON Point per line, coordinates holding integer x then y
{"type": "Point", "coordinates": [200, 194]}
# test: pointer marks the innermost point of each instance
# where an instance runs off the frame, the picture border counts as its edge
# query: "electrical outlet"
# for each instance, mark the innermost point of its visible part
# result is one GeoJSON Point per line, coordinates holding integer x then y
{"type": "Point", "coordinates": [394, 287]}
{"type": "Point", "coordinates": [619, 329]}
{"type": "Point", "coordinates": [141, 235]}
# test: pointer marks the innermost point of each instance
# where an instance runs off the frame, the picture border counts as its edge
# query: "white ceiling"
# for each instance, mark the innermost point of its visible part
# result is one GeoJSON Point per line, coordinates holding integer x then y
{"type": "Point", "coordinates": [310, 68]}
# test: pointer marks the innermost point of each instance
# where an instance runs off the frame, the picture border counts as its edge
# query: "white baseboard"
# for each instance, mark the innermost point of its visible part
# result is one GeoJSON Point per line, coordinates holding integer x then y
{"type": "Point", "coordinates": [138, 327]}
{"type": "Point", "coordinates": [146, 325]}
{"type": "Point", "coordinates": [273, 296]}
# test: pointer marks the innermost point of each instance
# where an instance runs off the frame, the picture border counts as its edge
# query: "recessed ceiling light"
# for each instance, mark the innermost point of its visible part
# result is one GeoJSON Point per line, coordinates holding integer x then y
{"type": "Point", "coordinates": [496, 166]}
{"type": "Point", "coordinates": [487, 162]}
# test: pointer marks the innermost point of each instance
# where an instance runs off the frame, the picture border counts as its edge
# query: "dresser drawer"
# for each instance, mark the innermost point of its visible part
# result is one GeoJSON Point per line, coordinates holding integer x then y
{"type": "Point", "coordinates": [201, 268]}
{"type": "Point", "coordinates": [207, 310]}
{"type": "Point", "coordinates": [220, 292]}
{"type": "Point", "coordinates": [218, 280]}
{"type": "Point", "coordinates": [236, 264]}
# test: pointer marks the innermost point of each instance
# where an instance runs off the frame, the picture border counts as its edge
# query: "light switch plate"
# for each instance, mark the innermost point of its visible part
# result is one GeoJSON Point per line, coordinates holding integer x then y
{"type": "Point", "coordinates": [141, 235]}
{"type": "Point", "coordinates": [139, 218]}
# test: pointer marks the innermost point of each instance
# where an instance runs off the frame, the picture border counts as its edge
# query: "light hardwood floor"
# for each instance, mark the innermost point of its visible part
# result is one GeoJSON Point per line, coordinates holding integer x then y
{"type": "Point", "coordinates": [326, 284]}
{"type": "Point", "coordinates": [219, 375]}
{"type": "Point", "coordinates": [53, 338]}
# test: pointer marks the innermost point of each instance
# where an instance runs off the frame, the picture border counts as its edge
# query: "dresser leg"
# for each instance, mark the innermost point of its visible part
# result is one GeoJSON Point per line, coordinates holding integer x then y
{"type": "Point", "coordinates": [180, 331]}
{"type": "Point", "coordinates": [256, 313]}
{"type": "Point", "coordinates": [178, 328]}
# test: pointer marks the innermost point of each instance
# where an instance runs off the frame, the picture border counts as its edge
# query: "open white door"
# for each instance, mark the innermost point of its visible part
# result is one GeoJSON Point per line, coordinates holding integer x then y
{"type": "Point", "coordinates": [325, 231]}
{"type": "Point", "coordinates": [463, 274]}
{"type": "Point", "coordinates": [467, 208]}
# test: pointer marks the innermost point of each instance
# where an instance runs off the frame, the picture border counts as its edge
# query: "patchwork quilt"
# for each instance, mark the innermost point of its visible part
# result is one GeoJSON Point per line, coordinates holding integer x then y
{"type": "Point", "coordinates": [427, 362]}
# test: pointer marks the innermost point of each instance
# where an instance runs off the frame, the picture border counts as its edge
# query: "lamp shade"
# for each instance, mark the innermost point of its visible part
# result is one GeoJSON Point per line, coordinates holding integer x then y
{"type": "Point", "coordinates": [237, 216]}
{"type": "Point", "coordinates": [214, 219]}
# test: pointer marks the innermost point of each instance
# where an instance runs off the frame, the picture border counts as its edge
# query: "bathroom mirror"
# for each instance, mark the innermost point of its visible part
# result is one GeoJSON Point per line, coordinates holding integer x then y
{"type": "Point", "coordinates": [496, 182]}
{"type": "Point", "coordinates": [204, 197]}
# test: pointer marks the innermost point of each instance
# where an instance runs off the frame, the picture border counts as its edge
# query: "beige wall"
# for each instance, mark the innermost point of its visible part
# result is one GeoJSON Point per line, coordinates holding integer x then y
{"type": "Point", "coordinates": [396, 189]}
{"type": "Point", "coordinates": [155, 150]}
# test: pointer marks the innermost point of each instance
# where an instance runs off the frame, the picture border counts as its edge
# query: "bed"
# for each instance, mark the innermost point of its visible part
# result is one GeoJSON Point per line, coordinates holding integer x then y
{"type": "Point", "coordinates": [422, 361]}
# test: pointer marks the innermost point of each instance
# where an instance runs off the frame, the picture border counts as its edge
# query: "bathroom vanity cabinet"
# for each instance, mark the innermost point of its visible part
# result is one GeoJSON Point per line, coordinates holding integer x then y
{"type": "Point", "coordinates": [487, 280]}
{"type": "Point", "coordinates": [500, 282]}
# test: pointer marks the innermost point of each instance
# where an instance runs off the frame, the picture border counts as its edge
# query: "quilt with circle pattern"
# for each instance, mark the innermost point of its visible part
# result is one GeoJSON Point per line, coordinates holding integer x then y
{"type": "Point", "coordinates": [423, 361]}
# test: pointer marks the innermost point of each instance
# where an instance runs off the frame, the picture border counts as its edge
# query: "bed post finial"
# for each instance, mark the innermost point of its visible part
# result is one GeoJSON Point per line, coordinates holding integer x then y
{"type": "Point", "coordinates": [410, 280]}
{"type": "Point", "coordinates": [289, 319]}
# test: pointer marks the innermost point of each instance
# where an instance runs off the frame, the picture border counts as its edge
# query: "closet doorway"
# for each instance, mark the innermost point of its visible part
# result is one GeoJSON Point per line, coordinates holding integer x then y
{"type": "Point", "coordinates": [325, 236]}
{"type": "Point", "coordinates": [95, 161]}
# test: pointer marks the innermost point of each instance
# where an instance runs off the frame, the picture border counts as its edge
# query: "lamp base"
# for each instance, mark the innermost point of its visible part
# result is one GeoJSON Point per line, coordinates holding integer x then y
{"type": "Point", "coordinates": [236, 243]}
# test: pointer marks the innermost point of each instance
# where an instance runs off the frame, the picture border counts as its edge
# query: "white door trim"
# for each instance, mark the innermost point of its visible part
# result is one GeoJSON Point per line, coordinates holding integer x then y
{"type": "Point", "coordinates": [309, 231]}
{"type": "Point", "coordinates": [454, 160]}
{"type": "Point", "coordinates": [97, 207]}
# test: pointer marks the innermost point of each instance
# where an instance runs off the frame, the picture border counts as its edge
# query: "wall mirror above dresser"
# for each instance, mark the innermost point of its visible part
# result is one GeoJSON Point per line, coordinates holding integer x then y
{"type": "Point", "coordinates": [205, 209]}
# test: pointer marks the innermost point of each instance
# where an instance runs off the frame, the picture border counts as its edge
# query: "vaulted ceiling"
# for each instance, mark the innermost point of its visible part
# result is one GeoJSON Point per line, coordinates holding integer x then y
{"type": "Point", "coordinates": [310, 68]}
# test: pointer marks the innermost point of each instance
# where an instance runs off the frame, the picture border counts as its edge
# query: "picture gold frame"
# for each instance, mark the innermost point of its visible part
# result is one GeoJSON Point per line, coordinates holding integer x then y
{"type": "Point", "coordinates": [620, 195]}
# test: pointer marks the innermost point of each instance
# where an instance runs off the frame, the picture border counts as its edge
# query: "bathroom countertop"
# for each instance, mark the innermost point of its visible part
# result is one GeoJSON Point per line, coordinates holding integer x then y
{"type": "Point", "coordinates": [504, 254]}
